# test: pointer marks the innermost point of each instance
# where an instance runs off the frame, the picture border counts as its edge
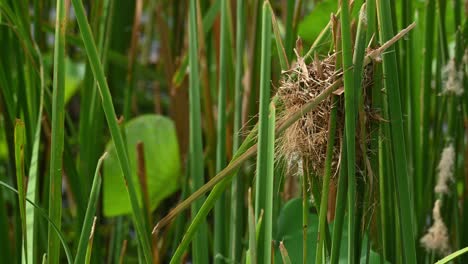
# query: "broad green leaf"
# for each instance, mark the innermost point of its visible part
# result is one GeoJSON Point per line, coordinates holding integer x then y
{"type": "Point", "coordinates": [290, 232]}
{"type": "Point", "coordinates": [162, 163]}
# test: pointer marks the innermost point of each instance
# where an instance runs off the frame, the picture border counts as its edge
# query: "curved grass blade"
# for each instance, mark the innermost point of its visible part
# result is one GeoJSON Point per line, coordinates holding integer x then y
{"type": "Point", "coordinates": [452, 256]}
{"type": "Point", "coordinates": [90, 212]}
{"type": "Point", "coordinates": [49, 220]}
{"type": "Point", "coordinates": [116, 134]}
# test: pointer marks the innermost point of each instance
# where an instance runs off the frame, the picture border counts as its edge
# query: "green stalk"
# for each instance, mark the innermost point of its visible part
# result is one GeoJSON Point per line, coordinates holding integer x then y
{"type": "Point", "coordinates": [20, 178]}
{"type": "Point", "coordinates": [326, 181]}
{"type": "Point", "coordinates": [350, 124]}
{"type": "Point", "coordinates": [305, 208]}
{"type": "Point", "coordinates": [108, 107]}
{"type": "Point", "coordinates": [57, 137]}
{"type": "Point", "coordinates": [200, 246]}
{"type": "Point", "coordinates": [427, 94]}
{"type": "Point", "coordinates": [397, 134]}
{"type": "Point", "coordinates": [358, 61]}
{"type": "Point", "coordinates": [340, 207]}
{"type": "Point", "coordinates": [90, 212]}
{"type": "Point", "coordinates": [220, 211]}
{"type": "Point", "coordinates": [33, 177]}
{"type": "Point", "coordinates": [262, 178]}
{"type": "Point", "coordinates": [269, 183]}
{"type": "Point", "coordinates": [237, 194]}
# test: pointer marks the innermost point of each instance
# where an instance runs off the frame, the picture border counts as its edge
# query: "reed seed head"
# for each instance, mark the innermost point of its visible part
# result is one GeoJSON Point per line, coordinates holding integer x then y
{"type": "Point", "coordinates": [436, 239]}
{"type": "Point", "coordinates": [445, 169]}
{"type": "Point", "coordinates": [453, 79]}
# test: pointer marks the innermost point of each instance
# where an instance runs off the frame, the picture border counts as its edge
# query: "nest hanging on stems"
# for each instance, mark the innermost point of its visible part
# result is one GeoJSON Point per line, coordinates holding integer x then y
{"type": "Point", "coordinates": [307, 138]}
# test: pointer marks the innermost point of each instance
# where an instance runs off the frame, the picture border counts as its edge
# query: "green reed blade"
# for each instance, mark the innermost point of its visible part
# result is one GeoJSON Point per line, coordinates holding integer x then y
{"type": "Point", "coordinates": [90, 212]}
{"type": "Point", "coordinates": [396, 133]}
{"type": "Point", "coordinates": [57, 137]}
{"type": "Point", "coordinates": [111, 117]}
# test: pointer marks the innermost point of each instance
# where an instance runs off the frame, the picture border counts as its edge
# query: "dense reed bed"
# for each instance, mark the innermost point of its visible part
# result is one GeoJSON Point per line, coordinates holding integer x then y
{"type": "Point", "coordinates": [295, 131]}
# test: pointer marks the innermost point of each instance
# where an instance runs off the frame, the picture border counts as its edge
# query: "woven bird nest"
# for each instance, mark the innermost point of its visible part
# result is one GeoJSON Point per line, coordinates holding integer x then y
{"type": "Point", "coordinates": [307, 138]}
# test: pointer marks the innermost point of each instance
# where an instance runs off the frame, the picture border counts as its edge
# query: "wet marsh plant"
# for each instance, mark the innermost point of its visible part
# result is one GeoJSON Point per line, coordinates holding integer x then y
{"type": "Point", "coordinates": [118, 116]}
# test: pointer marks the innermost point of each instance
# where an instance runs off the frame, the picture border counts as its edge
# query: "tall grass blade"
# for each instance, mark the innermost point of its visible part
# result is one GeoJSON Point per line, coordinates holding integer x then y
{"type": "Point", "coordinates": [350, 124]}
{"type": "Point", "coordinates": [426, 91]}
{"type": "Point", "coordinates": [390, 71]}
{"type": "Point", "coordinates": [199, 252]}
{"type": "Point", "coordinates": [261, 199]}
{"type": "Point", "coordinates": [57, 137]}
{"type": "Point", "coordinates": [108, 107]}
{"type": "Point", "coordinates": [326, 181]}
{"type": "Point", "coordinates": [220, 225]}
{"type": "Point", "coordinates": [358, 62]}
{"type": "Point", "coordinates": [269, 183]}
{"type": "Point", "coordinates": [237, 191]}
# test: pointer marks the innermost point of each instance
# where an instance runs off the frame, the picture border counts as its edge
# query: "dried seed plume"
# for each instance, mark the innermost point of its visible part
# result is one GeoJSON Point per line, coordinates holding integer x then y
{"type": "Point", "coordinates": [445, 169]}
{"type": "Point", "coordinates": [436, 239]}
